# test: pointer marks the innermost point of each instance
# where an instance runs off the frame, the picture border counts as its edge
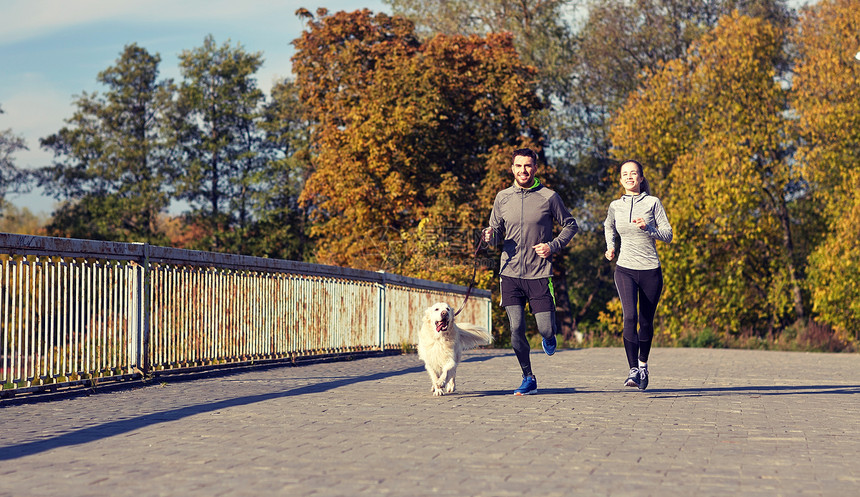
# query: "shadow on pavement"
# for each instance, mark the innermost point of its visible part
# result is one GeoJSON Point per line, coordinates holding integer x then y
{"type": "Point", "coordinates": [482, 358]}
{"type": "Point", "coordinates": [754, 390]}
{"type": "Point", "coordinates": [107, 430]}
{"type": "Point", "coordinates": [510, 392]}
{"type": "Point", "coordinates": [673, 393]}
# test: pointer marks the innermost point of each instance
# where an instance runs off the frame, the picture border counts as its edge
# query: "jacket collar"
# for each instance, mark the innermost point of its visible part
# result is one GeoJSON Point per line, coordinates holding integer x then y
{"type": "Point", "coordinates": [535, 186]}
{"type": "Point", "coordinates": [634, 198]}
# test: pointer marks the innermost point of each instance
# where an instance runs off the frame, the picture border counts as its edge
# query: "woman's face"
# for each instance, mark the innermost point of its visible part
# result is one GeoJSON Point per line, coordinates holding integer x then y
{"type": "Point", "coordinates": [630, 177]}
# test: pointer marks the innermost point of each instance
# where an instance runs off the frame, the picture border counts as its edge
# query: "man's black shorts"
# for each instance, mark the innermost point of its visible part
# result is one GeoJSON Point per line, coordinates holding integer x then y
{"type": "Point", "coordinates": [538, 293]}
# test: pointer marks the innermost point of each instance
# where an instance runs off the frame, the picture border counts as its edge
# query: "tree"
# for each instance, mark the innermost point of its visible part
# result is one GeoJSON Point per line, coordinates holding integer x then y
{"type": "Point", "coordinates": [21, 221]}
{"type": "Point", "coordinates": [713, 128]}
{"type": "Point", "coordinates": [281, 224]}
{"type": "Point", "coordinates": [542, 34]}
{"type": "Point", "coordinates": [826, 96]}
{"type": "Point", "coordinates": [589, 55]}
{"type": "Point", "coordinates": [223, 150]}
{"type": "Point", "coordinates": [544, 39]}
{"type": "Point", "coordinates": [113, 159]}
{"type": "Point", "coordinates": [405, 131]}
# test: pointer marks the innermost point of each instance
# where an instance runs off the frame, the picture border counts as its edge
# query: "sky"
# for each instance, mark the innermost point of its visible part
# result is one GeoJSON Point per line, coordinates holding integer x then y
{"type": "Point", "coordinates": [51, 51]}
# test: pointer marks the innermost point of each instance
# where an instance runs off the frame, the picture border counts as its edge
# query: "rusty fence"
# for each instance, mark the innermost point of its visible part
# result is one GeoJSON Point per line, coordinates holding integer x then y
{"type": "Point", "coordinates": [76, 312]}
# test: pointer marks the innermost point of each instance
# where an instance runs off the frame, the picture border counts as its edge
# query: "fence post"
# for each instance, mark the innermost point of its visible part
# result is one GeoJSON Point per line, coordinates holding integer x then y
{"type": "Point", "coordinates": [381, 310]}
{"type": "Point", "coordinates": [146, 304]}
{"type": "Point", "coordinates": [490, 314]}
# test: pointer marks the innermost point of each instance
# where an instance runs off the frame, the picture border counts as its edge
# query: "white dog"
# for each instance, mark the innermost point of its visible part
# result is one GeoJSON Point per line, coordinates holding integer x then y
{"type": "Point", "coordinates": [441, 342]}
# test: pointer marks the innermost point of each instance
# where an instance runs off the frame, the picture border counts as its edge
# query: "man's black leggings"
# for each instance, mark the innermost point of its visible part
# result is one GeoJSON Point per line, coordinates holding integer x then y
{"type": "Point", "coordinates": [519, 342]}
{"type": "Point", "coordinates": [638, 288]}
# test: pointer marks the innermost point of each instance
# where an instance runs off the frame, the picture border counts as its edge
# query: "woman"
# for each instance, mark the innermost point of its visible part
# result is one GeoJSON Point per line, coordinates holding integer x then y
{"type": "Point", "coordinates": [639, 220]}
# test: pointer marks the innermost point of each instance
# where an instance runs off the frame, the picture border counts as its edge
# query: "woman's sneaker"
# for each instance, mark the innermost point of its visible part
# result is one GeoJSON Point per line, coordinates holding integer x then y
{"type": "Point", "coordinates": [633, 378]}
{"type": "Point", "coordinates": [643, 378]}
{"type": "Point", "coordinates": [528, 387]}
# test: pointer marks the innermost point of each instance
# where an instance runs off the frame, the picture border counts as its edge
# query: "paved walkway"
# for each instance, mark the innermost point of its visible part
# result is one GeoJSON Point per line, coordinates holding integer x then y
{"type": "Point", "coordinates": [714, 422]}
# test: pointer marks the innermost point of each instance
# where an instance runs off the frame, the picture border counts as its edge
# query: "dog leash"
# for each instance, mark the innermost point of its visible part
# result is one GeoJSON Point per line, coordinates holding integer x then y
{"type": "Point", "coordinates": [478, 247]}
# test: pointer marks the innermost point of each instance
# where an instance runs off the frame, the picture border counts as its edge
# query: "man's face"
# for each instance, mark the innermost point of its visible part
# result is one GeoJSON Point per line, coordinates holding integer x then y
{"type": "Point", "coordinates": [524, 171]}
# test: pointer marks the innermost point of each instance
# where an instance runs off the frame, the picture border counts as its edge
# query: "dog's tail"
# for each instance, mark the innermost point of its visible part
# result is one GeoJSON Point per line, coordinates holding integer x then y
{"type": "Point", "coordinates": [472, 335]}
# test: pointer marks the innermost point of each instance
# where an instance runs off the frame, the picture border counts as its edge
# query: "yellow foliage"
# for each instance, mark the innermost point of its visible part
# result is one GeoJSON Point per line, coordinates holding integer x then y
{"type": "Point", "coordinates": [711, 131]}
{"type": "Point", "coordinates": [826, 95]}
{"type": "Point", "coordinates": [613, 317]}
{"type": "Point", "coordinates": [827, 98]}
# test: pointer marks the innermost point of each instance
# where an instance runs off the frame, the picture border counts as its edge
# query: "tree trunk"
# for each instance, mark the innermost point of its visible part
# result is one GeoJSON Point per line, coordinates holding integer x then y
{"type": "Point", "coordinates": [789, 248]}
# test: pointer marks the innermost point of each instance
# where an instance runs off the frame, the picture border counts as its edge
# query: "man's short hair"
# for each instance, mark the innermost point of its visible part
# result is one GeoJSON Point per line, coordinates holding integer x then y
{"type": "Point", "coordinates": [525, 152]}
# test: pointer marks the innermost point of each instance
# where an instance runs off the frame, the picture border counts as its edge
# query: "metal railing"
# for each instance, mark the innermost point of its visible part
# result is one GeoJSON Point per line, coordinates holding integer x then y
{"type": "Point", "coordinates": [76, 311]}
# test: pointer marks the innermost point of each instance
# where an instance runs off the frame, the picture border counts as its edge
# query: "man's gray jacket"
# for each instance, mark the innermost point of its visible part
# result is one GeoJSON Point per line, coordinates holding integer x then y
{"type": "Point", "coordinates": [525, 216]}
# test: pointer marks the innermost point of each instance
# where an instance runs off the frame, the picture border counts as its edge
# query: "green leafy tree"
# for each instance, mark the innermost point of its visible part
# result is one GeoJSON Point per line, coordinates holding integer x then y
{"type": "Point", "coordinates": [826, 95]}
{"type": "Point", "coordinates": [112, 161]}
{"type": "Point", "coordinates": [280, 227]}
{"type": "Point", "coordinates": [713, 129]}
{"type": "Point", "coordinates": [224, 154]}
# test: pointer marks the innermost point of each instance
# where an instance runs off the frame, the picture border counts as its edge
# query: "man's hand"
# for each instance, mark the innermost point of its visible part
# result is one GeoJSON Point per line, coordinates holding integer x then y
{"type": "Point", "coordinates": [638, 221]}
{"type": "Point", "coordinates": [543, 250]}
{"type": "Point", "coordinates": [487, 233]}
{"type": "Point", "coordinates": [609, 254]}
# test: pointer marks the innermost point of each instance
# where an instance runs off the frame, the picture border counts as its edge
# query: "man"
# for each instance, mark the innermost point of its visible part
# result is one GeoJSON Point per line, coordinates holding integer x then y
{"type": "Point", "coordinates": [523, 217]}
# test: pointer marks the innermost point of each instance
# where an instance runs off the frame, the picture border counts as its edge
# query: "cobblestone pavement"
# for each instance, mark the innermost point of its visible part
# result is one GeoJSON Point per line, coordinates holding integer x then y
{"type": "Point", "coordinates": [713, 422]}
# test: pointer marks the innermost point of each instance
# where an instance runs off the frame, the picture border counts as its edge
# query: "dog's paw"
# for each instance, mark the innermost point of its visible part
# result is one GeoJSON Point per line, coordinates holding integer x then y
{"type": "Point", "coordinates": [438, 392]}
{"type": "Point", "coordinates": [450, 387]}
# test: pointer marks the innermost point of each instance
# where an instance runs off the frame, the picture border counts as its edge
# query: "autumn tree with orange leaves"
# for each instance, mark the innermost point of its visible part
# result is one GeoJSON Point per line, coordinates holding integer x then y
{"type": "Point", "coordinates": [411, 139]}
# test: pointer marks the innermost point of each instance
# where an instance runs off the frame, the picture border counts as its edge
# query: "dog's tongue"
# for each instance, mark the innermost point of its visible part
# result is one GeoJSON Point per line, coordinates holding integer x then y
{"type": "Point", "coordinates": [440, 325]}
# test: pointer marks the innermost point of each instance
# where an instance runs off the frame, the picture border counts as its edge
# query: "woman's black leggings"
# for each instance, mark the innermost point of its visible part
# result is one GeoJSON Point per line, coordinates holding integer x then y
{"type": "Point", "coordinates": [638, 288]}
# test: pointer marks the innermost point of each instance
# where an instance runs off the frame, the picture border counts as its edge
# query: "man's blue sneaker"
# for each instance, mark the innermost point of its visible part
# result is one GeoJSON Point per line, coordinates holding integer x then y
{"type": "Point", "coordinates": [549, 345]}
{"type": "Point", "coordinates": [528, 387]}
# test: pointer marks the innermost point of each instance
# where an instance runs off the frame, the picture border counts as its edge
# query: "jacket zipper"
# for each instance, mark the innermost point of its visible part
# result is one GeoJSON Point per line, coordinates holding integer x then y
{"type": "Point", "coordinates": [522, 216]}
{"type": "Point", "coordinates": [632, 199]}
